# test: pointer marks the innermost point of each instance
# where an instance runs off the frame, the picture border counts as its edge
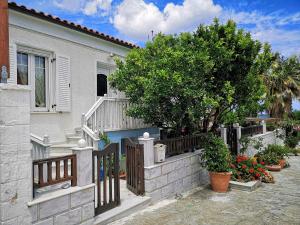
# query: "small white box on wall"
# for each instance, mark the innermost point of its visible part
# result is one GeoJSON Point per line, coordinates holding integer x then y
{"type": "Point", "coordinates": [159, 153]}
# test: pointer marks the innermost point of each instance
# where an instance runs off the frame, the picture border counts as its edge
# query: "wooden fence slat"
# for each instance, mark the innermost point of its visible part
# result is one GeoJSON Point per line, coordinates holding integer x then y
{"type": "Point", "coordinates": [50, 180]}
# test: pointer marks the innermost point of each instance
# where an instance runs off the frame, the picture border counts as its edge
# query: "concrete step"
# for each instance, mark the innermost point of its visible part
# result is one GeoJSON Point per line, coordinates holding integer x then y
{"type": "Point", "coordinates": [62, 149]}
{"type": "Point", "coordinates": [127, 207]}
{"type": "Point", "coordinates": [73, 139]}
{"type": "Point", "coordinates": [78, 131]}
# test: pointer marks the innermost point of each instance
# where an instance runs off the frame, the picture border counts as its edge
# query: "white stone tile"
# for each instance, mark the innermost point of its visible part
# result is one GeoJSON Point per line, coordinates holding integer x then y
{"type": "Point", "coordinates": [13, 221]}
{"type": "Point", "coordinates": [34, 213]}
{"type": "Point", "coordinates": [45, 222]}
{"type": "Point", "coordinates": [161, 181]}
{"type": "Point", "coordinates": [71, 217]}
{"type": "Point", "coordinates": [8, 172]}
{"type": "Point", "coordinates": [82, 197]}
{"type": "Point", "coordinates": [88, 222]}
{"type": "Point", "coordinates": [151, 173]}
{"type": "Point", "coordinates": [88, 211]}
{"type": "Point", "coordinates": [167, 168]}
{"type": "Point", "coordinates": [14, 208]}
{"type": "Point", "coordinates": [168, 191]}
{"type": "Point", "coordinates": [14, 115]}
{"type": "Point", "coordinates": [54, 206]}
{"type": "Point", "coordinates": [155, 195]}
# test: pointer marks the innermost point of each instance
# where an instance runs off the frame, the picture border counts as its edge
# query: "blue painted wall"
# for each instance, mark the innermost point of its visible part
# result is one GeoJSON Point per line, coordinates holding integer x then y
{"type": "Point", "coordinates": [117, 136]}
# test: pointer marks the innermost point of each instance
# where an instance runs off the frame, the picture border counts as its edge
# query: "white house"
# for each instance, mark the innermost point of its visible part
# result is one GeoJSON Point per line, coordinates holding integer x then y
{"type": "Point", "coordinates": [66, 66]}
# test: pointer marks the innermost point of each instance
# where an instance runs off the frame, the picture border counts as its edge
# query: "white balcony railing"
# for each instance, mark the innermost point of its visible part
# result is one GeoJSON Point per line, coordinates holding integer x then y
{"type": "Point", "coordinates": [108, 114]}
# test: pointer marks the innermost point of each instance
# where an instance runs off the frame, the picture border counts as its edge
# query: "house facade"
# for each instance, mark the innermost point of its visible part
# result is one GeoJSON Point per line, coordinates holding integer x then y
{"type": "Point", "coordinates": [66, 66]}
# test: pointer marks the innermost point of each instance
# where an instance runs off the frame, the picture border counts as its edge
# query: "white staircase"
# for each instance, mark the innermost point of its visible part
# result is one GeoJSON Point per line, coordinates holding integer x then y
{"type": "Point", "coordinates": [65, 148]}
{"type": "Point", "coordinates": [107, 114]}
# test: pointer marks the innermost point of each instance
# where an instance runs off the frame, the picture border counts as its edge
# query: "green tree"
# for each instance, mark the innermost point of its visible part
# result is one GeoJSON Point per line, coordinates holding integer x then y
{"type": "Point", "coordinates": [283, 82]}
{"type": "Point", "coordinates": [239, 62]}
{"type": "Point", "coordinates": [182, 80]}
{"type": "Point", "coordinates": [164, 81]}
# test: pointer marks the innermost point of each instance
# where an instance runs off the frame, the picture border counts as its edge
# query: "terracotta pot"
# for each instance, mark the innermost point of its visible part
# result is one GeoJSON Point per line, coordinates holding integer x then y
{"type": "Point", "coordinates": [219, 181]}
{"type": "Point", "coordinates": [282, 163]}
{"type": "Point", "coordinates": [273, 167]}
{"type": "Point", "coordinates": [122, 176]}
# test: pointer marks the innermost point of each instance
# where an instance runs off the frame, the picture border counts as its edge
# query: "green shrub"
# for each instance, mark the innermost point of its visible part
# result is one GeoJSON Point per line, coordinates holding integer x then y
{"type": "Point", "coordinates": [269, 158]}
{"type": "Point", "coordinates": [280, 150]}
{"type": "Point", "coordinates": [291, 141]}
{"type": "Point", "coordinates": [216, 156]}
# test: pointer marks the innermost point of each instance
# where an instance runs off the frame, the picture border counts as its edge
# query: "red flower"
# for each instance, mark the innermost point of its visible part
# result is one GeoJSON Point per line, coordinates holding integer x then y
{"type": "Point", "coordinates": [244, 166]}
{"type": "Point", "coordinates": [260, 169]}
{"type": "Point", "coordinates": [254, 163]}
{"type": "Point", "coordinates": [257, 175]}
{"type": "Point", "coordinates": [251, 170]}
{"type": "Point", "coordinates": [262, 163]}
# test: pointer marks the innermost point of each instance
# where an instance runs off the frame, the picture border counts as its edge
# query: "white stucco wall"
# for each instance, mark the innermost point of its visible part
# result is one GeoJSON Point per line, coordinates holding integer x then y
{"type": "Point", "coordinates": [269, 138]}
{"type": "Point", "coordinates": [84, 51]}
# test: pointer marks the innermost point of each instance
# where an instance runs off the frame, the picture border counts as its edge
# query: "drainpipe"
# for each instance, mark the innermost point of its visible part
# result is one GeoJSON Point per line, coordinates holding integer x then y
{"type": "Point", "coordinates": [4, 42]}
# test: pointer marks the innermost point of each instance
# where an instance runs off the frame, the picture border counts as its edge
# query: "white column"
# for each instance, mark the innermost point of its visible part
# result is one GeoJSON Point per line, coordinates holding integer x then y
{"type": "Point", "coordinates": [148, 149]}
{"type": "Point", "coordinates": [224, 134]}
{"type": "Point", "coordinates": [263, 123]}
{"type": "Point", "coordinates": [15, 155]}
{"type": "Point", "coordinates": [239, 135]}
{"type": "Point", "coordinates": [84, 163]}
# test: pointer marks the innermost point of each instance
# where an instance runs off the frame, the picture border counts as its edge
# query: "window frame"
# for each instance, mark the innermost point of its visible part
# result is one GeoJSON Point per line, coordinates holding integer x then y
{"type": "Point", "coordinates": [32, 52]}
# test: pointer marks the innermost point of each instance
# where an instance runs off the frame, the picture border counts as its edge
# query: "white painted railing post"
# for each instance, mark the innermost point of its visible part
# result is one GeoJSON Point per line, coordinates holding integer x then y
{"type": "Point", "coordinates": [83, 121]}
{"type": "Point", "coordinates": [46, 142]}
{"type": "Point", "coordinates": [224, 133]}
{"type": "Point", "coordinates": [84, 157]}
{"type": "Point", "coordinates": [148, 149]}
{"type": "Point", "coordinates": [239, 135]}
{"type": "Point", "coordinates": [263, 123]}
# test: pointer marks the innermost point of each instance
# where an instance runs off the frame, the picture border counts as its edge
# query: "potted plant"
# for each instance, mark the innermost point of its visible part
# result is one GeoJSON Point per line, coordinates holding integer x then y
{"type": "Point", "coordinates": [123, 167]}
{"type": "Point", "coordinates": [216, 158]}
{"type": "Point", "coordinates": [271, 160]}
{"type": "Point", "coordinates": [280, 151]}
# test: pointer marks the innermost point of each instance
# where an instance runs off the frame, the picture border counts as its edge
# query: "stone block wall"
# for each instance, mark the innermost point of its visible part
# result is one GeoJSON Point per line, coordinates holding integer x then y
{"type": "Point", "coordinates": [64, 207]}
{"type": "Point", "coordinates": [267, 139]}
{"type": "Point", "coordinates": [176, 175]}
{"type": "Point", "coordinates": [15, 155]}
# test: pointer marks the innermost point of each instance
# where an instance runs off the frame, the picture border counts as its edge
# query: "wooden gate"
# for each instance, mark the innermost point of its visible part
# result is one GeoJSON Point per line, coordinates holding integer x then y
{"type": "Point", "coordinates": [106, 178]}
{"type": "Point", "coordinates": [134, 166]}
{"type": "Point", "coordinates": [232, 139]}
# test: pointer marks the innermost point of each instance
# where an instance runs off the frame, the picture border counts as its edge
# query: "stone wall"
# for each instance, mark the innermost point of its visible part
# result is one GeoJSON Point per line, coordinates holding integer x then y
{"type": "Point", "coordinates": [15, 155]}
{"type": "Point", "coordinates": [176, 175]}
{"type": "Point", "coordinates": [267, 139]}
{"type": "Point", "coordinates": [64, 207]}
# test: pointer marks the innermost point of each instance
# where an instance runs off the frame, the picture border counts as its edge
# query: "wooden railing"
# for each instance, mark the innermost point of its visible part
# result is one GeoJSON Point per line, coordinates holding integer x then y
{"type": "Point", "coordinates": [108, 114]}
{"type": "Point", "coordinates": [176, 146]}
{"type": "Point", "coordinates": [40, 147]}
{"type": "Point", "coordinates": [252, 130]}
{"type": "Point", "coordinates": [48, 172]}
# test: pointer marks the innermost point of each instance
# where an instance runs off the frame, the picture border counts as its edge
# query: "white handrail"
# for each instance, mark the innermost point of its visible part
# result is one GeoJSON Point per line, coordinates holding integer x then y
{"type": "Point", "coordinates": [107, 114]}
{"type": "Point", "coordinates": [40, 146]}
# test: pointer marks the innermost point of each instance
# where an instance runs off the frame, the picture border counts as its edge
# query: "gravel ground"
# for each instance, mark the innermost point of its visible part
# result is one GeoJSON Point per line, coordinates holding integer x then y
{"type": "Point", "coordinates": [277, 203]}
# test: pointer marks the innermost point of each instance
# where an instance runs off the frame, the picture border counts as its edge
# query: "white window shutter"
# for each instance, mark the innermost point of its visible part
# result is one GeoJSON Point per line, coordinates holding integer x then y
{"type": "Point", "coordinates": [63, 84]}
{"type": "Point", "coordinates": [12, 64]}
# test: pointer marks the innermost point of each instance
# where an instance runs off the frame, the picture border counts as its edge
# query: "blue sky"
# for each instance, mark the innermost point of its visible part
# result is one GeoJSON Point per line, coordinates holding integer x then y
{"type": "Point", "coordinates": [273, 21]}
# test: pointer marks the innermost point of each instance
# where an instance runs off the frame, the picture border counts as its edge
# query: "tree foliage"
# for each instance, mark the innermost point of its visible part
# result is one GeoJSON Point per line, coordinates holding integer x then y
{"type": "Point", "coordinates": [213, 74]}
{"type": "Point", "coordinates": [283, 82]}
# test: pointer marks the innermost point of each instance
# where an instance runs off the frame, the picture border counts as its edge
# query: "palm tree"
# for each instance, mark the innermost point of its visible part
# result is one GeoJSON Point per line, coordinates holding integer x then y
{"type": "Point", "coordinates": [283, 85]}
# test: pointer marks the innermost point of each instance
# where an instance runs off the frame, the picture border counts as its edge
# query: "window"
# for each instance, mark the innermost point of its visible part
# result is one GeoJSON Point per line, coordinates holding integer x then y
{"type": "Point", "coordinates": [101, 84]}
{"type": "Point", "coordinates": [32, 69]}
{"type": "Point", "coordinates": [40, 82]}
{"type": "Point", "coordinates": [22, 68]}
